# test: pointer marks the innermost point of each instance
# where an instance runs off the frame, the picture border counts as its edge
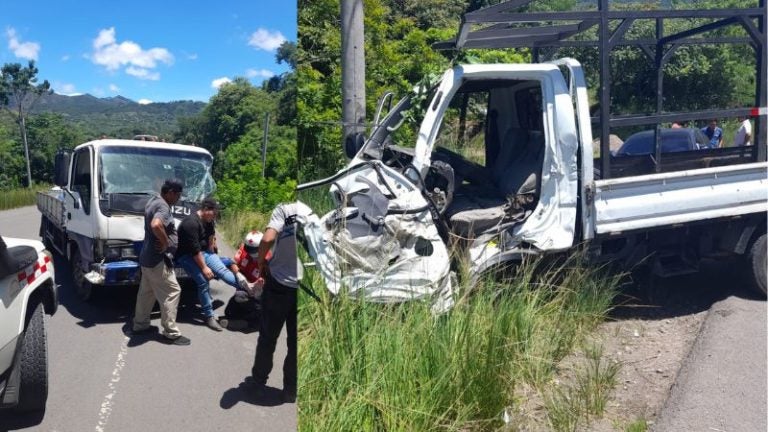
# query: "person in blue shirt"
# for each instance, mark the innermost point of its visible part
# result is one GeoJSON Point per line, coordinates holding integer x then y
{"type": "Point", "coordinates": [714, 134]}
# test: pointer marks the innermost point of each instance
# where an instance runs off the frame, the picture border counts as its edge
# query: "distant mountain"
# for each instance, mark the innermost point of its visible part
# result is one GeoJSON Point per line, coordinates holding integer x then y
{"type": "Point", "coordinates": [118, 116]}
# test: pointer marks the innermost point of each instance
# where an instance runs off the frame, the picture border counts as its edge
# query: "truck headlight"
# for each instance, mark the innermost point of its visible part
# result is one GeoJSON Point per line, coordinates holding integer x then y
{"type": "Point", "coordinates": [113, 251]}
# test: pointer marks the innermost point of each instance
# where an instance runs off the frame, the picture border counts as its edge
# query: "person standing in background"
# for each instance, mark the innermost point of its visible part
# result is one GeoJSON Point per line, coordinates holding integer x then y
{"type": "Point", "coordinates": [744, 134]}
{"type": "Point", "coordinates": [714, 134]}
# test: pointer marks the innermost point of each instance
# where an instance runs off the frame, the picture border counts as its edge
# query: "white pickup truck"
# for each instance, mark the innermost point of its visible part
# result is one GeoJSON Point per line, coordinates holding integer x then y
{"type": "Point", "coordinates": [27, 294]}
{"type": "Point", "coordinates": [502, 168]}
{"type": "Point", "coordinates": [95, 215]}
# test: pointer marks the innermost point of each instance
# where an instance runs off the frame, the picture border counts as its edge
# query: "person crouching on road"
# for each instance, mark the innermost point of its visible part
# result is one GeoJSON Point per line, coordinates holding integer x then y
{"type": "Point", "coordinates": [278, 301]}
{"type": "Point", "coordinates": [158, 280]}
{"type": "Point", "coordinates": [244, 306]}
{"type": "Point", "coordinates": [198, 258]}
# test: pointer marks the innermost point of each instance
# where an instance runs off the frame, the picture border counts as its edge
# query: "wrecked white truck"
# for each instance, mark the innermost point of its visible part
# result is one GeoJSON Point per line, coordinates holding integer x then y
{"type": "Point", "coordinates": [503, 168]}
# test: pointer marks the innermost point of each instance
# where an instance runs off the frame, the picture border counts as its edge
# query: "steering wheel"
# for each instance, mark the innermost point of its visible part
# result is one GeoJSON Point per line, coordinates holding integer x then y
{"type": "Point", "coordinates": [441, 174]}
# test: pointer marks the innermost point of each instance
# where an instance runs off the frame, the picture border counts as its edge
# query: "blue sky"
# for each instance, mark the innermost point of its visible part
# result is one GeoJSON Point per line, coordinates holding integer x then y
{"type": "Point", "coordinates": [148, 51]}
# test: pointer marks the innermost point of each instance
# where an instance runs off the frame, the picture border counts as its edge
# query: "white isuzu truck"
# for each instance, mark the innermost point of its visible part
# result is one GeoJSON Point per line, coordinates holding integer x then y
{"type": "Point", "coordinates": [95, 215]}
{"type": "Point", "coordinates": [503, 168]}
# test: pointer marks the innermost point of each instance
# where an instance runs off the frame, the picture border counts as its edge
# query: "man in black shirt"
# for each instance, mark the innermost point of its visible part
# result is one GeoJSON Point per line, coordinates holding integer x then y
{"type": "Point", "coordinates": [197, 256]}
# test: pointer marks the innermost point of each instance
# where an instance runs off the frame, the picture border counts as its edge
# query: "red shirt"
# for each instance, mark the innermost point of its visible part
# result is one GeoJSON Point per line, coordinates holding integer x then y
{"type": "Point", "coordinates": [249, 267]}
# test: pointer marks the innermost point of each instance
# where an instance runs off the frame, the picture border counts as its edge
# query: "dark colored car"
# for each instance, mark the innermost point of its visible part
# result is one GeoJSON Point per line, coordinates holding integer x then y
{"type": "Point", "coordinates": [672, 140]}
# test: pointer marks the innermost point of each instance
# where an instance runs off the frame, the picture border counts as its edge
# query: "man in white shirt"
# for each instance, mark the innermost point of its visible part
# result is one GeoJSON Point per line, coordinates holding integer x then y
{"type": "Point", "coordinates": [278, 301]}
{"type": "Point", "coordinates": [743, 136]}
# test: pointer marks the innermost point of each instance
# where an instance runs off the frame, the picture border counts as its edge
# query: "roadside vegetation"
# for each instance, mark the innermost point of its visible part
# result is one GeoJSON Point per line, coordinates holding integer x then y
{"type": "Point", "coordinates": [368, 366]}
{"type": "Point", "coordinates": [234, 225]}
{"type": "Point", "coordinates": [19, 197]}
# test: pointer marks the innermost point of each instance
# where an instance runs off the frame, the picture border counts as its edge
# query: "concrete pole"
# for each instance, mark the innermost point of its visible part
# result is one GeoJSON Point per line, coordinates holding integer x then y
{"type": "Point", "coordinates": [264, 147]}
{"type": "Point", "coordinates": [352, 68]}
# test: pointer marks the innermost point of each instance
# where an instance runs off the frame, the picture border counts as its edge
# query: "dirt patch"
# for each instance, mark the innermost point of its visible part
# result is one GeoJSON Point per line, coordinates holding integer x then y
{"type": "Point", "coordinates": [650, 333]}
{"type": "Point", "coordinates": [650, 353]}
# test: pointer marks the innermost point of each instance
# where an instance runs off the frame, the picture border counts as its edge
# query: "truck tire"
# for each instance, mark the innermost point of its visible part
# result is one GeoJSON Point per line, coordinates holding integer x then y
{"type": "Point", "coordinates": [757, 264]}
{"type": "Point", "coordinates": [33, 364]}
{"type": "Point", "coordinates": [43, 234]}
{"type": "Point", "coordinates": [83, 288]}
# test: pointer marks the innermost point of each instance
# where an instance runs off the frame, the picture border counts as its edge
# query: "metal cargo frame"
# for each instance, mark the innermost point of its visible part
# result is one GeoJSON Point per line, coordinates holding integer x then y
{"type": "Point", "coordinates": [500, 29]}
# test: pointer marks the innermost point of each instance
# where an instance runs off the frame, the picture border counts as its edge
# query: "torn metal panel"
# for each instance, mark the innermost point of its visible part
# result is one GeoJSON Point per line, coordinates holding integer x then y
{"type": "Point", "coordinates": [380, 243]}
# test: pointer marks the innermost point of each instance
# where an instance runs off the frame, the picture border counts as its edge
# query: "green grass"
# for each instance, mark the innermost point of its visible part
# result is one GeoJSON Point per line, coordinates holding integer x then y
{"type": "Point", "coordinates": [20, 197]}
{"type": "Point", "coordinates": [371, 367]}
{"type": "Point", "coordinates": [574, 404]}
{"type": "Point", "coordinates": [637, 426]}
{"type": "Point", "coordinates": [234, 225]}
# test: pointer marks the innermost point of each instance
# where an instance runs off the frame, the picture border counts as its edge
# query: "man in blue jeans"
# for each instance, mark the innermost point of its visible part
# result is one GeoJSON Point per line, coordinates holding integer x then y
{"type": "Point", "coordinates": [197, 256]}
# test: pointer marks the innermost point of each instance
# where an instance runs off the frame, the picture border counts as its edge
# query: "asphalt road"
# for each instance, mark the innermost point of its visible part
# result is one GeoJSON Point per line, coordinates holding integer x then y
{"type": "Point", "coordinates": [100, 380]}
{"type": "Point", "coordinates": [722, 384]}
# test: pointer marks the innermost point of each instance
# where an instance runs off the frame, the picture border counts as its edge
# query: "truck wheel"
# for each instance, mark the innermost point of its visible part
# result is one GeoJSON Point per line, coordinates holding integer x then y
{"type": "Point", "coordinates": [83, 288]}
{"type": "Point", "coordinates": [33, 364]}
{"type": "Point", "coordinates": [43, 231]}
{"type": "Point", "coordinates": [756, 260]}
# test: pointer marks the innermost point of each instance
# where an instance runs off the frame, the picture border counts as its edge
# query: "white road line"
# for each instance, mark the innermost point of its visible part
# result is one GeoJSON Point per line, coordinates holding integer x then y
{"type": "Point", "coordinates": [109, 402]}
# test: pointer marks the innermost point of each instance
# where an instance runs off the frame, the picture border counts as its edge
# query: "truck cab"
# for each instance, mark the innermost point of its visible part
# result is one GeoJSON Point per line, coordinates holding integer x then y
{"type": "Point", "coordinates": [496, 158]}
{"type": "Point", "coordinates": [503, 168]}
{"type": "Point", "coordinates": [95, 215]}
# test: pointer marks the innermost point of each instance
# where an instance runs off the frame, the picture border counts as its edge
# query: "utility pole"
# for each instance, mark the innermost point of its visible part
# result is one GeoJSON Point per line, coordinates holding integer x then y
{"type": "Point", "coordinates": [352, 69]}
{"type": "Point", "coordinates": [264, 146]}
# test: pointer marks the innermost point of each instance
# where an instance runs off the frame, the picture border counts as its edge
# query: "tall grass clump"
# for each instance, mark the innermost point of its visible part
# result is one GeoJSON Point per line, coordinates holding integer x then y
{"type": "Point", "coordinates": [20, 197]}
{"type": "Point", "coordinates": [373, 367]}
{"type": "Point", "coordinates": [235, 224]}
{"type": "Point", "coordinates": [575, 403]}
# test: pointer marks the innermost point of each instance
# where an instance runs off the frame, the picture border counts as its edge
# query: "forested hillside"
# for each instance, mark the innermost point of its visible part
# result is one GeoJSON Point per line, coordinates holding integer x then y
{"type": "Point", "coordinates": [118, 116]}
{"type": "Point", "coordinates": [231, 126]}
{"type": "Point", "coordinates": [398, 35]}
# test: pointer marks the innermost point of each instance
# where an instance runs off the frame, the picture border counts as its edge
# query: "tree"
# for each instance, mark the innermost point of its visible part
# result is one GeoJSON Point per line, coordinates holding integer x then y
{"type": "Point", "coordinates": [18, 93]}
{"type": "Point", "coordinates": [231, 111]}
{"type": "Point", "coordinates": [47, 133]}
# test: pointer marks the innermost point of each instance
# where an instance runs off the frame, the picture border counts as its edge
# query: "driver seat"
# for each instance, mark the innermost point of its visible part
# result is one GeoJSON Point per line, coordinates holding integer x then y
{"type": "Point", "coordinates": [514, 172]}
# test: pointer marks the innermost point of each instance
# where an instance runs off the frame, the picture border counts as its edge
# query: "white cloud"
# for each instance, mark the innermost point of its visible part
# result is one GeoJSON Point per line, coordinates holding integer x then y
{"type": "Point", "coordinates": [142, 73]}
{"type": "Point", "coordinates": [66, 89]}
{"type": "Point", "coordinates": [144, 101]}
{"type": "Point", "coordinates": [263, 73]}
{"type": "Point", "coordinates": [65, 58]}
{"type": "Point", "coordinates": [192, 56]}
{"type": "Point", "coordinates": [266, 40]}
{"type": "Point", "coordinates": [113, 88]}
{"type": "Point", "coordinates": [26, 50]}
{"type": "Point", "coordinates": [137, 61]}
{"type": "Point", "coordinates": [218, 82]}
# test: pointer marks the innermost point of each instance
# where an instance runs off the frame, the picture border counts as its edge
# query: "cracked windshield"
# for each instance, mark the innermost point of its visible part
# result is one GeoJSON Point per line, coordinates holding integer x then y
{"type": "Point", "coordinates": [141, 170]}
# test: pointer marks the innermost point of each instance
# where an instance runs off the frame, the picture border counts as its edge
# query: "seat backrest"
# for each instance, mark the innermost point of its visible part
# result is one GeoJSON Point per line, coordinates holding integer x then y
{"type": "Point", "coordinates": [521, 174]}
{"type": "Point", "coordinates": [512, 144]}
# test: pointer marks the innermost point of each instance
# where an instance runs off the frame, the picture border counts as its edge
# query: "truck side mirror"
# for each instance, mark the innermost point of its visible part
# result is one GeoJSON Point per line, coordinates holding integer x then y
{"type": "Point", "coordinates": [61, 167]}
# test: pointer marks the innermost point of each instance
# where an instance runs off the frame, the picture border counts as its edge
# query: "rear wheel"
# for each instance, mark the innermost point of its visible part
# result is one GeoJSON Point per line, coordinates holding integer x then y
{"type": "Point", "coordinates": [83, 288]}
{"type": "Point", "coordinates": [757, 264]}
{"type": "Point", "coordinates": [44, 234]}
{"type": "Point", "coordinates": [33, 364]}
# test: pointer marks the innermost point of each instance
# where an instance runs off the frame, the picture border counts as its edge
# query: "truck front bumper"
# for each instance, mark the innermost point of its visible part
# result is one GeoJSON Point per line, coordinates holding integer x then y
{"type": "Point", "coordinates": [124, 272]}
